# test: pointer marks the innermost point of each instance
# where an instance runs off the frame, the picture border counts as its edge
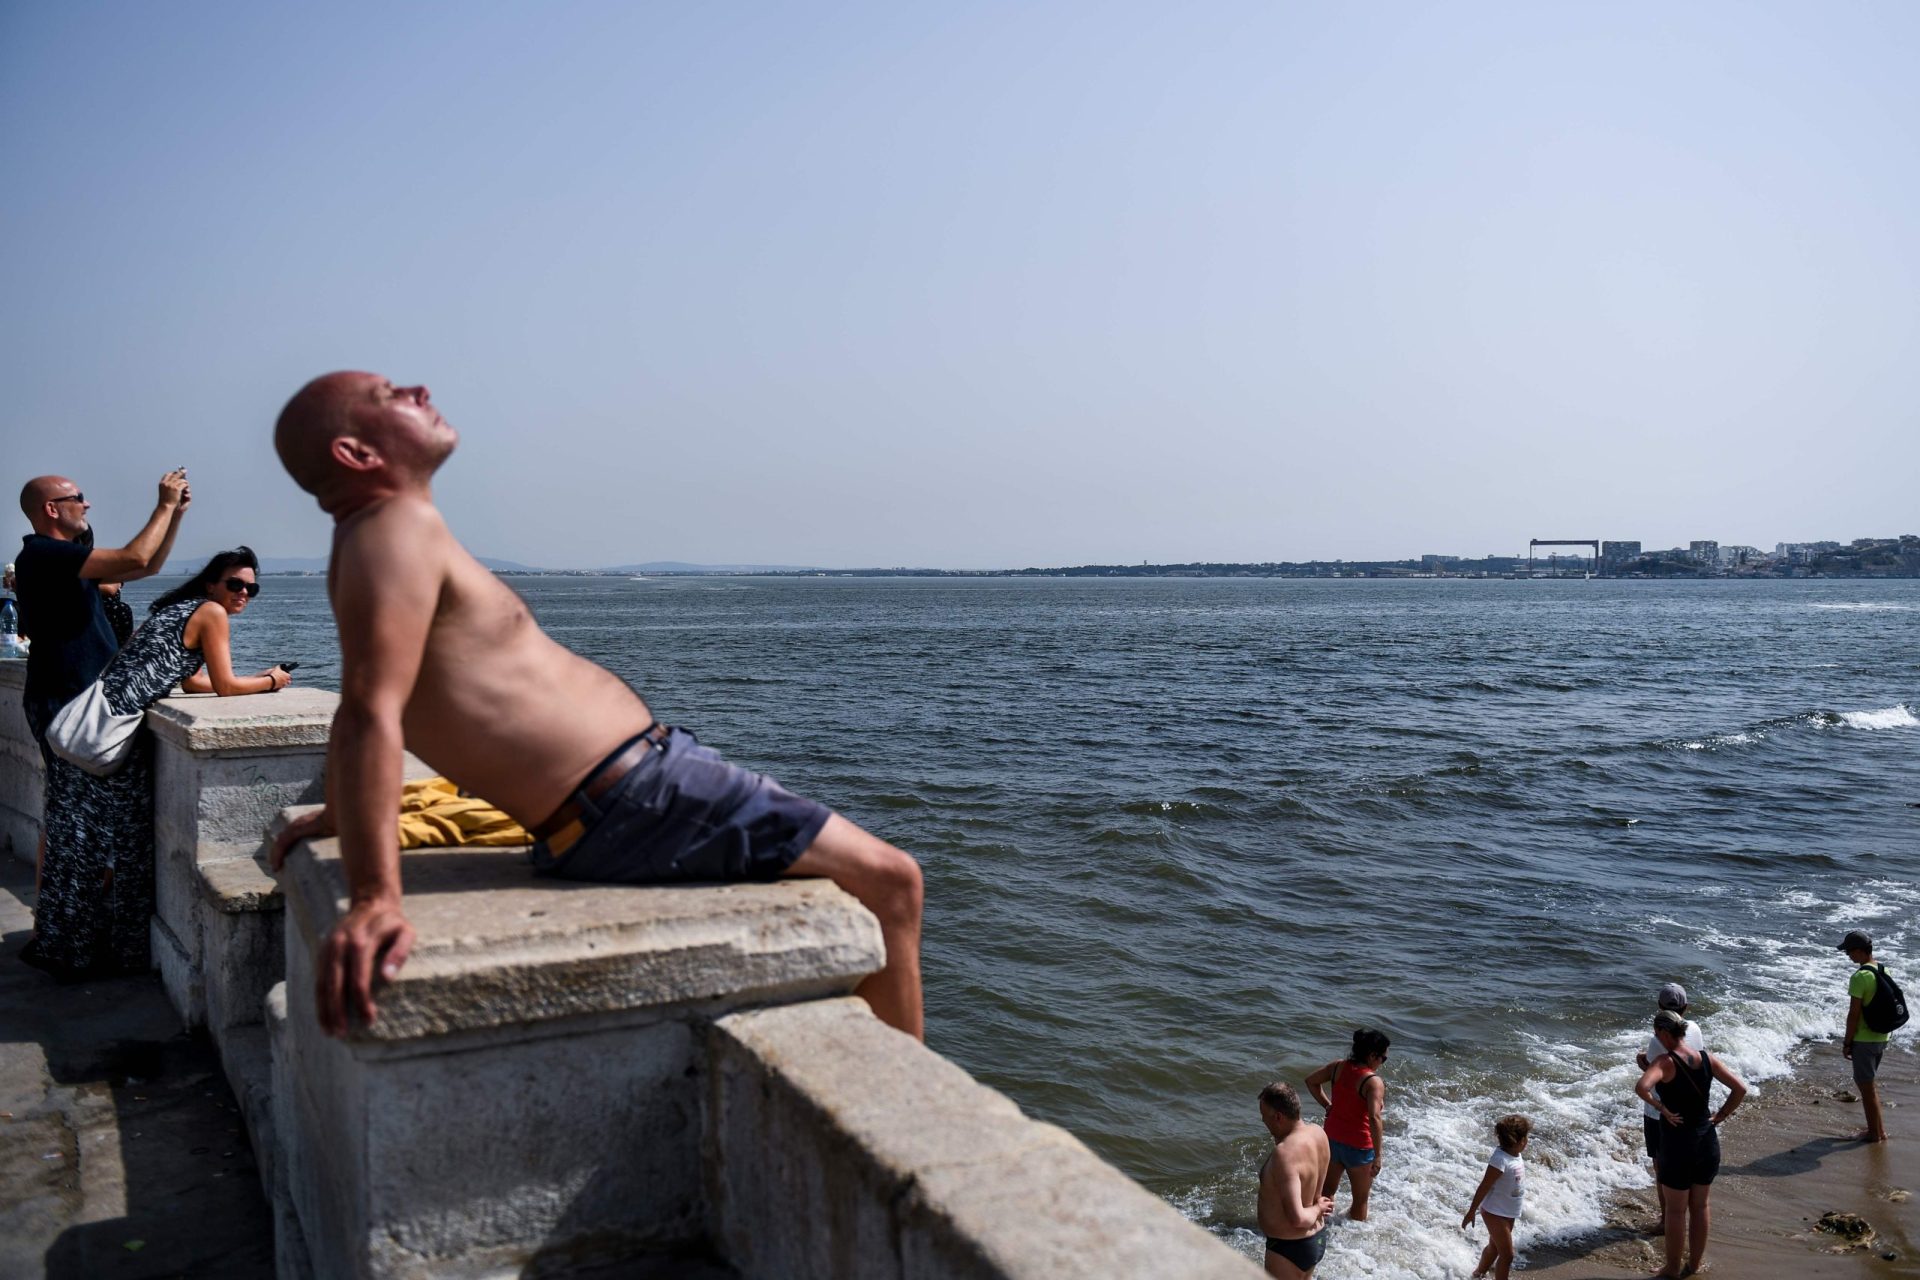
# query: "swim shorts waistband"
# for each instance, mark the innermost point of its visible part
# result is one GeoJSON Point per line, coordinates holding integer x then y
{"type": "Point", "coordinates": [567, 823]}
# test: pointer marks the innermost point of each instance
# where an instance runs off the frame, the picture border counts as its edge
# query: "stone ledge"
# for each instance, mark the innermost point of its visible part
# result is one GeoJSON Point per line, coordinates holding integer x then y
{"type": "Point", "coordinates": [893, 1158]}
{"type": "Point", "coordinates": [240, 883]}
{"type": "Point", "coordinates": [202, 722]}
{"type": "Point", "coordinates": [497, 946]}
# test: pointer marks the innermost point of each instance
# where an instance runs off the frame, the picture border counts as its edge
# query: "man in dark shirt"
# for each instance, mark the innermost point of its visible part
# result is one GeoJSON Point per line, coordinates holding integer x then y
{"type": "Point", "coordinates": [56, 573]}
{"type": "Point", "coordinates": [55, 581]}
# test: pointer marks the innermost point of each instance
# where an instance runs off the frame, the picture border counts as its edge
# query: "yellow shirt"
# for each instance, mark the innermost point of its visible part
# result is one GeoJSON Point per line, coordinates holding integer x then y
{"type": "Point", "coordinates": [434, 814]}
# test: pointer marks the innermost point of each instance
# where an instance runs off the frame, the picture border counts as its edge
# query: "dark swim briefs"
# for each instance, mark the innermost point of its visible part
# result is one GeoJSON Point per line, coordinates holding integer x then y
{"type": "Point", "coordinates": [683, 813]}
{"type": "Point", "coordinates": [1305, 1254]}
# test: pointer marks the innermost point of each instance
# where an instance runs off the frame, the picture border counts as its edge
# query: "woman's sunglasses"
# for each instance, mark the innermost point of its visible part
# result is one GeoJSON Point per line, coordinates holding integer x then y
{"type": "Point", "coordinates": [241, 584]}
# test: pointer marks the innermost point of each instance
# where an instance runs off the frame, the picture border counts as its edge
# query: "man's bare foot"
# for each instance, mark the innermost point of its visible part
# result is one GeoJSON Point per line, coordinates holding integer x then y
{"type": "Point", "coordinates": [1866, 1135]}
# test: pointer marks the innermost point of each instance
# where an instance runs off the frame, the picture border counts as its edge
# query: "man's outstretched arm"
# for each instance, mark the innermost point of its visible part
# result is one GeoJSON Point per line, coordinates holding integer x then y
{"type": "Point", "coordinates": [387, 573]}
{"type": "Point", "coordinates": [144, 556]}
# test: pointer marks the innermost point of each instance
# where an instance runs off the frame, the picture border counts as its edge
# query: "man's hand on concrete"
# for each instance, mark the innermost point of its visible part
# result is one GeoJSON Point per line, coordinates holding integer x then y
{"type": "Point", "coordinates": [372, 932]}
{"type": "Point", "coordinates": [308, 826]}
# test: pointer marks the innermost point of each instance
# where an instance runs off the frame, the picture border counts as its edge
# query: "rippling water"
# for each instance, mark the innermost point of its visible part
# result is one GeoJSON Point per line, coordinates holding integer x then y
{"type": "Point", "coordinates": [1183, 836]}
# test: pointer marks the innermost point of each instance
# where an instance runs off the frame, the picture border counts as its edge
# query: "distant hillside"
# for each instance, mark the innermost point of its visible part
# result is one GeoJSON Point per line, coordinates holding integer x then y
{"type": "Point", "coordinates": [681, 566]}
{"type": "Point", "coordinates": [318, 564]}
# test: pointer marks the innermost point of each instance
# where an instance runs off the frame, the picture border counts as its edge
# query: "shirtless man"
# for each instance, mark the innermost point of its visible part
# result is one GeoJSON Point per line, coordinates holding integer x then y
{"type": "Point", "coordinates": [437, 655]}
{"type": "Point", "coordinates": [1292, 1212]}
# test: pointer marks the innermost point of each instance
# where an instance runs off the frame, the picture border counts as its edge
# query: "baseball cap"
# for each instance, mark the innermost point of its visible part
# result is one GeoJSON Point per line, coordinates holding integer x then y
{"type": "Point", "coordinates": [1856, 941]}
{"type": "Point", "coordinates": [1673, 996]}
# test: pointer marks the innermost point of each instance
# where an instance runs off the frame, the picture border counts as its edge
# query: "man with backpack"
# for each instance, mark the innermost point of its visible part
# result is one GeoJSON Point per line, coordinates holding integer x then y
{"type": "Point", "coordinates": [1875, 1009]}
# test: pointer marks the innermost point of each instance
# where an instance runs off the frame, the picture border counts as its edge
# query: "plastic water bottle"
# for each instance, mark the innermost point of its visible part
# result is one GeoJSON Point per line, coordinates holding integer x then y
{"type": "Point", "coordinates": [9, 629]}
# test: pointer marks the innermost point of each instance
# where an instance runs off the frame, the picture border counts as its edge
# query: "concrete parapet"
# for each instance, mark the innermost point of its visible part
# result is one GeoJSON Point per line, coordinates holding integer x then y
{"type": "Point", "coordinates": [294, 718]}
{"type": "Point", "coordinates": [500, 947]}
{"type": "Point", "coordinates": [240, 927]}
{"type": "Point", "coordinates": [21, 771]}
{"type": "Point", "coordinates": [531, 1095]}
{"type": "Point", "coordinates": [886, 1160]}
{"type": "Point", "coordinates": [223, 767]}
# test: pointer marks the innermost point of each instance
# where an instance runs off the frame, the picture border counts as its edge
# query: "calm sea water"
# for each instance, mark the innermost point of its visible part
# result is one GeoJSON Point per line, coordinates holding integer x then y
{"type": "Point", "coordinates": [1182, 837]}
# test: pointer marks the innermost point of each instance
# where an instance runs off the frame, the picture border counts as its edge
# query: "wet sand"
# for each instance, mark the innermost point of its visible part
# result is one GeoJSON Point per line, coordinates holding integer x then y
{"type": "Point", "coordinates": [1786, 1160]}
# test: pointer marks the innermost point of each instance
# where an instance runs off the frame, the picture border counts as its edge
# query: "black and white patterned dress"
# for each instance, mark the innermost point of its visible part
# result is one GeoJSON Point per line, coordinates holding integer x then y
{"type": "Point", "coordinates": [96, 886]}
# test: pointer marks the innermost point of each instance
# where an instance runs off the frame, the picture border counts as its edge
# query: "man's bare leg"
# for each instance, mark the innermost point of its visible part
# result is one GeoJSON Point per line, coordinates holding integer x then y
{"type": "Point", "coordinates": [886, 882]}
{"type": "Point", "coordinates": [1876, 1130]}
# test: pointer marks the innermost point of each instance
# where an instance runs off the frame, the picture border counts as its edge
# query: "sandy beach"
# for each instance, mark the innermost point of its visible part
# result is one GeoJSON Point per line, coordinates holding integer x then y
{"type": "Point", "coordinates": [1787, 1162]}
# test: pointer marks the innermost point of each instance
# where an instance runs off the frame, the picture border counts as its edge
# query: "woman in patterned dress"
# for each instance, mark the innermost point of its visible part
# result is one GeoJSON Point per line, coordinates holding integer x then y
{"type": "Point", "coordinates": [96, 890]}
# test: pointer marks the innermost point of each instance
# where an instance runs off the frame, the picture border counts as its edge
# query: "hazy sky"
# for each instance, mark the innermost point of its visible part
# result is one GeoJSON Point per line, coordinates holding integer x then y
{"type": "Point", "coordinates": [980, 285]}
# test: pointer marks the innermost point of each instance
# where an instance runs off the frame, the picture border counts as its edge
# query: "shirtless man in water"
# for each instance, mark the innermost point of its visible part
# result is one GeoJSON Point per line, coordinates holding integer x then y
{"type": "Point", "coordinates": [1292, 1213]}
{"type": "Point", "coordinates": [437, 655]}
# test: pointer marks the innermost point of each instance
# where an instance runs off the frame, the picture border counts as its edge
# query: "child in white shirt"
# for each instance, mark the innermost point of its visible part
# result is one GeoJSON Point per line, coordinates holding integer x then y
{"type": "Point", "coordinates": [1497, 1200]}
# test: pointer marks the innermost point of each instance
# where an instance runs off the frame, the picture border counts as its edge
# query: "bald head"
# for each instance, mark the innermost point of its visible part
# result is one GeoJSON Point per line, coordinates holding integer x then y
{"type": "Point", "coordinates": [316, 416]}
{"type": "Point", "coordinates": [41, 490]}
{"type": "Point", "coordinates": [52, 505]}
{"type": "Point", "coordinates": [349, 433]}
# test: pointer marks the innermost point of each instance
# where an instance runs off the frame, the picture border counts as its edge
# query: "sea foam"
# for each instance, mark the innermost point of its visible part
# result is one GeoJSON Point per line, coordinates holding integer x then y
{"type": "Point", "coordinates": [1867, 606]}
{"type": "Point", "coordinates": [1899, 716]}
{"type": "Point", "coordinates": [1783, 988]}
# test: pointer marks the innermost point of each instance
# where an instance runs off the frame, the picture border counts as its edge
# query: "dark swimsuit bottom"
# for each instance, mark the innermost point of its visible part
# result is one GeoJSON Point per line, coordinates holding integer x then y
{"type": "Point", "coordinates": [1303, 1254]}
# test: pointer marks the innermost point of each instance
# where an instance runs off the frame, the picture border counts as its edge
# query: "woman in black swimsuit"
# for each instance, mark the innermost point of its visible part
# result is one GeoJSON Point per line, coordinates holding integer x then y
{"type": "Point", "coordinates": [1676, 1084]}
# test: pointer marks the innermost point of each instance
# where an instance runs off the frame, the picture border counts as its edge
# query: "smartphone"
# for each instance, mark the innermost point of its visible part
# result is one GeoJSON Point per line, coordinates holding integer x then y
{"type": "Point", "coordinates": [287, 666]}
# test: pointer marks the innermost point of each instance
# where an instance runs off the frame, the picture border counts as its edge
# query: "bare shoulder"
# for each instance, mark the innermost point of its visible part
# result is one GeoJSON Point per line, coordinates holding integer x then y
{"type": "Point", "coordinates": [1303, 1146]}
{"type": "Point", "coordinates": [207, 620]}
{"type": "Point", "coordinates": [401, 528]}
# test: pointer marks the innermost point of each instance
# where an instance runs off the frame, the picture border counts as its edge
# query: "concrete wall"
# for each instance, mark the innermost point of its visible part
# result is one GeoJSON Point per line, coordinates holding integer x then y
{"type": "Point", "coordinates": [568, 1076]}
{"type": "Point", "coordinates": [888, 1161]}
{"type": "Point", "coordinates": [21, 773]}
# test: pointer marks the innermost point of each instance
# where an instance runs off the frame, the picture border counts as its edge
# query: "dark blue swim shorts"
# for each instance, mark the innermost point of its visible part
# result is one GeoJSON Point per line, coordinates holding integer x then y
{"type": "Point", "coordinates": [683, 813]}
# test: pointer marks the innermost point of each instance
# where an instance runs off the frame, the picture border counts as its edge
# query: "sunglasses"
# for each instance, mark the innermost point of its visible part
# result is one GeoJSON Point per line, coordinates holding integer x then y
{"type": "Point", "coordinates": [241, 584]}
{"type": "Point", "coordinates": [81, 498]}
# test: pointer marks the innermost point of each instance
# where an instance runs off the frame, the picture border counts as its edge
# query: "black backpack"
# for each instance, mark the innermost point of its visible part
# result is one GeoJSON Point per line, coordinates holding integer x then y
{"type": "Point", "coordinates": [1887, 1011]}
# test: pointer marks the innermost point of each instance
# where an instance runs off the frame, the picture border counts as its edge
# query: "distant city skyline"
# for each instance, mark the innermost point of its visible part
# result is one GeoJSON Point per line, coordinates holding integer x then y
{"type": "Point", "coordinates": [853, 283]}
{"type": "Point", "coordinates": [1795, 552]}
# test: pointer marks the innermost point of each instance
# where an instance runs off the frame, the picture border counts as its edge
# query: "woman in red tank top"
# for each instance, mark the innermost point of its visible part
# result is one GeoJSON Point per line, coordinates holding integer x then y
{"type": "Point", "coordinates": [1354, 1133]}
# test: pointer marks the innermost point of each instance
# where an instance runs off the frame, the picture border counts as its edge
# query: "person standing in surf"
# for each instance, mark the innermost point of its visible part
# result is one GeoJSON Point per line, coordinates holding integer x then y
{"type": "Point", "coordinates": [1677, 1084]}
{"type": "Point", "coordinates": [1500, 1196]}
{"type": "Point", "coordinates": [1871, 1020]}
{"type": "Point", "coordinates": [1291, 1212]}
{"type": "Point", "coordinates": [1354, 1095]}
{"type": "Point", "coordinates": [1671, 996]}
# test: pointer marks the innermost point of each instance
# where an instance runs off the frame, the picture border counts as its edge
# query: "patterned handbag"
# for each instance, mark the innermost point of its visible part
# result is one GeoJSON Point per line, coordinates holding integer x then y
{"type": "Point", "coordinates": [88, 734]}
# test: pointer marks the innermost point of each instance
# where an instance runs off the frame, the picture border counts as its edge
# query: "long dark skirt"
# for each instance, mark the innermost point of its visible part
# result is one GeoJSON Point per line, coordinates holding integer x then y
{"type": "Point", "coordinates": [96, 884]}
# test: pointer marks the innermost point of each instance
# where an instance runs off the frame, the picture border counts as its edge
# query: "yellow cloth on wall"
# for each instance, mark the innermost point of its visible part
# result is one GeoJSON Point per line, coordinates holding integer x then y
{"type": "Point", "coordinates": [433, 814]}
